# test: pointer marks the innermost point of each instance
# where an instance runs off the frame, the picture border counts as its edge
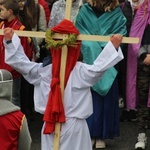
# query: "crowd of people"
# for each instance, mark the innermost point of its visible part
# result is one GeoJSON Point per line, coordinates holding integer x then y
{"type": "Point", "coordinates": [100, 79]}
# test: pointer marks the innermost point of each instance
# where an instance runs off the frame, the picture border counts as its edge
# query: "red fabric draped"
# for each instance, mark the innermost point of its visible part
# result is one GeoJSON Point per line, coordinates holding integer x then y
{"type": "Point", "coordinates": [54, 110]}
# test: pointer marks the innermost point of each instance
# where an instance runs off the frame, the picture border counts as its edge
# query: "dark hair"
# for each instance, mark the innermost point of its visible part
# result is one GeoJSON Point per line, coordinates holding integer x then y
{"type": "Point", "coordinates": [111, 5]}
{"type": "Point", "coordinates": [11, 4]}
{"type": "Point", "coordinates": [28, 16]}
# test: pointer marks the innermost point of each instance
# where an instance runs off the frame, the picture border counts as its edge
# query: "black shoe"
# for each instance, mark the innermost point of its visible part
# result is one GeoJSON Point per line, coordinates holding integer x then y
{"type": "Point", "coordinates": [124, 116]}
{"type": "Point", "coordinates": [132, 115]}
{"type": "Point", "coordinates": [128, 115]}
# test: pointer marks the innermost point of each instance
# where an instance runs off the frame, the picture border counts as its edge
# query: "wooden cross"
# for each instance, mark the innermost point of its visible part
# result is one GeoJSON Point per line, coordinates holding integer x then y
{"type": "Point", "coordinates": [57, 132]}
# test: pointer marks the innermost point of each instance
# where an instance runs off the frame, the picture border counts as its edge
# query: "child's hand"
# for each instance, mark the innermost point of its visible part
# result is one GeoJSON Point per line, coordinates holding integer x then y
{"type": "Point", "coordinates": [8, 33]}
{"type": "Point", "coordinates": [116, 40]}
{"type": "Point", "coordinates": [147, 60]}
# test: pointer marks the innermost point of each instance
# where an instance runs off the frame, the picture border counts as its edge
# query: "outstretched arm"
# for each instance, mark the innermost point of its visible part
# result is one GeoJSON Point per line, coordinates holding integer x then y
{"type": "Point", "coordinates": [110, 56]}
{"type": "Point", "coordinates": [16, 58]}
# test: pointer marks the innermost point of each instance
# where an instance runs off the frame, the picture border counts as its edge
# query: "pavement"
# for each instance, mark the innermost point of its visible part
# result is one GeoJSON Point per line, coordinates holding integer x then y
{"type": "Point", "coordinates": [126, 141]}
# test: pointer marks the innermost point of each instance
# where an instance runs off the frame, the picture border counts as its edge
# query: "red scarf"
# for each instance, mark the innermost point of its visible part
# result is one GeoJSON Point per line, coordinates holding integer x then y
{"type": "Point", "coordinates": [54, 110]}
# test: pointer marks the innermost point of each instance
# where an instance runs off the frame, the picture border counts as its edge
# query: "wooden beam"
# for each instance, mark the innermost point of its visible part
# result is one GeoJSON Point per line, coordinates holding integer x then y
{"type": "Point", "coordinates": [57, 132]}
{"type": "Point", "coordinates": [68, 9]}
{"type": "Point", "coordinates": [82, 37]}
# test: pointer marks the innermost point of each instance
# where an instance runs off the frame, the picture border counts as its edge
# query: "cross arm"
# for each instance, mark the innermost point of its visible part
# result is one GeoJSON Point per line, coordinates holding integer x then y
{"type": "Point", "coordinates": [82, 37]}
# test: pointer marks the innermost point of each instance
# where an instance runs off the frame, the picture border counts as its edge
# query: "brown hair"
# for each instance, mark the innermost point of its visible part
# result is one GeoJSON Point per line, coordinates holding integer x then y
{"type": "Point", "coordinates": [28, 16]}
{"type": "Point", "coordinates": [31, 12]}
{"type": "Point", "coordinates": [108, 6]}
{"type": "Point", "coordinates": [11, 4]}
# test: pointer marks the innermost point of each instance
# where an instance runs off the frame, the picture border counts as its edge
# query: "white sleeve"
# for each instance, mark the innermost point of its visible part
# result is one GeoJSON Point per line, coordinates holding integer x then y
{"type": "Point", "coordinates": [16, 58]}
{"type": "Point", "coordinates": [107, 58]}
{"type": "Point", "coordinates": [90, 74]}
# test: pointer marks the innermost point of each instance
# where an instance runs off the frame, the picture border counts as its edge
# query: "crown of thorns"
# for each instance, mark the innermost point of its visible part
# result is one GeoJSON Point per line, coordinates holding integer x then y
{"type": "Point", "coordinates": [51, 43]}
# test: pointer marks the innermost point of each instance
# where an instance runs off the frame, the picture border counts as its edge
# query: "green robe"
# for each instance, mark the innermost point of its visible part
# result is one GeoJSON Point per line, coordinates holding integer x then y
{"type": "Point", "coordinates": [107, 24]}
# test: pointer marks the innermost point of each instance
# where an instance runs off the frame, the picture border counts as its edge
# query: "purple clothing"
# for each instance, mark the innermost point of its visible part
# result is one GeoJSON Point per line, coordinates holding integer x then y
{"type": "Point", "coordinates": [139, 24]}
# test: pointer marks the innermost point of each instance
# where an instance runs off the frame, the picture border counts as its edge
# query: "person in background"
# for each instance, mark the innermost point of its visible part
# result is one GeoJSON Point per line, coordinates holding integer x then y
{"type": "Point", "coordinates": [9, 14]}
{"type": "Point", "coordinates": [143, 81]}
{"type": "Point", "coordinates": [14, 132]}
{"type": "Point", "coordinates": [129, 8]}
{"type": "Point", "coordinates": [46, 9]}
{"type": "Point", "coordinates": [58, 12]}
{"type": "Point", "coordinates": [98, 17]}
{"type": "Point", "coordinates": [32, 15]}
{"type": "Point", "coordinates": [50, 3]}
{"type": "Point", "coordinates": [138, 72]}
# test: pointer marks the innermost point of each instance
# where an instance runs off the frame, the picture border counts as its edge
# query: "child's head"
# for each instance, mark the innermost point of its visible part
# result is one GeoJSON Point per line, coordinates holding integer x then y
{"type": "Point", "coordinates": [8, 8]}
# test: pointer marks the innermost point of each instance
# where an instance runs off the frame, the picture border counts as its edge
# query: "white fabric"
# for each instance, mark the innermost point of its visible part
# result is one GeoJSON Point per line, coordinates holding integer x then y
{"type": "Point", "coordinates": [77, 95]}
{"type": "Point", "coordinates": [142, 141]}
